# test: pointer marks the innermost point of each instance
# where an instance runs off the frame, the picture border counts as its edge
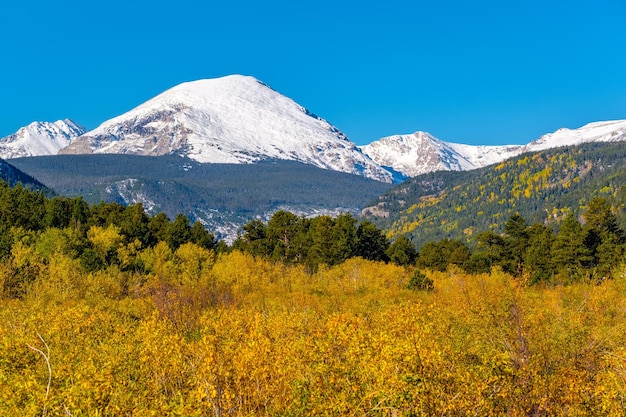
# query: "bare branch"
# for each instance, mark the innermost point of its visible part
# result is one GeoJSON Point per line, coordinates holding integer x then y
{"type": "Point", "coordinates": [46, 357]}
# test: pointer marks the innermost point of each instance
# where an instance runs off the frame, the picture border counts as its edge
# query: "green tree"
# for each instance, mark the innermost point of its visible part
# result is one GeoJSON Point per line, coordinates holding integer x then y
{"type": "Point", "coordinates": [402, 252]}
{"type": "Point", "coordinates": [80, 214]}
{"type": "Point", "coordinates": [490, 251]}
{"type": "Point", "coordinates": [58, 212]}
{"type": "Point", "coordinates": [420, 282]}
{"type": "Point", "coordinates": [254, 239]}
{"type": "Point", "coordinates": [604, 239]}
{"type": "Point", "coordinates": [159, 229]}
{"type": "Point", "coordinates": [372, 244]}
{"type": "Point", "coordinates": [569, 252]}
{"type": "Point", "coordinates": [281, 230]}
{"type": "Point", "coordinates": [438, 255]}
{"type": "Point", "coordinates": [134, 224]}
{"type": "Point", "coordinates": [431, 257]}
{"type": "Point", "coordinates": [344, 238]}
{"type": "Point", "coordinates": [201, 236]}
{"type": "Point", "coordinates": [104, 214]}
{"type": "Point", "coordinates": [179, 232]}
{"type": "Point", "coordinates": [538, 262]}
{"type": "Point", "coordinates": [599, 215]}
{"type": "Point", "coordinates": [516, 241]}
{"type": "Point", "coordinates": [321, 242]}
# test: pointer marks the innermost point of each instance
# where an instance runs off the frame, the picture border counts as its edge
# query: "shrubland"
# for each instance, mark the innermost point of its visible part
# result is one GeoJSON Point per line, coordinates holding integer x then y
{"type": "Point", "coordinates": [202, 334]}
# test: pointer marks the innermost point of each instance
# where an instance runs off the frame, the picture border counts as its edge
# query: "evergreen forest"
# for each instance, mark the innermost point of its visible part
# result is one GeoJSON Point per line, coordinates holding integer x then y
{"type": "Point", "coordinates": [108, 311]}
{"type": "Point", "coordinates": [222, 196]}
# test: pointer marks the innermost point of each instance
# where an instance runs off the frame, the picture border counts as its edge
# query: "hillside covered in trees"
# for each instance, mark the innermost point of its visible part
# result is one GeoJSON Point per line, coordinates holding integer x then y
{"type": "Point", "coordinates": [222, 196]}
{"type": "Point", "coordinates": [542, 187]}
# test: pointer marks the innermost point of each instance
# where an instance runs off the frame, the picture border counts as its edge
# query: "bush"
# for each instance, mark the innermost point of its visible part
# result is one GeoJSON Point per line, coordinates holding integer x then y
{"type": "Point", "coordinates": [420, 282]}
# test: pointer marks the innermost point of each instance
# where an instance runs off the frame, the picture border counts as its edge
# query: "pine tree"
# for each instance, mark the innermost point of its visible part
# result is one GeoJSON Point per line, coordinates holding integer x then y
{"type": "Point", "coordinates": [179, 232]}
{"type": "Point", "coordinates": [402, 252]}
{"type": "Point", "coordinates": [538, 258]}
{"type": "Point", "coordinates": [201, 236]}
{"type": "Point", "coordinates": [371, 242]}
{"type": "Point", "coordinates": [516, 242]}
{"type": "Point", "coordinates": [604, 239]}
{"type": "Point", "coordinates": [254, 239]}
{"type": "Point", "coordinates": [281, 229]}
{"type": "Point", "coordinates": [569, 252]}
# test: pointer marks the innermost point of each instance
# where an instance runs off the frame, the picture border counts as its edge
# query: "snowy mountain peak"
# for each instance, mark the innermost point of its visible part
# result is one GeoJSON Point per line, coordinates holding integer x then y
{"type": "Point", "coordinates": [233, 119]}
{"type": "Point", "coordinates": [421, 152]}
{"type": "Point", "coordinates": [40, 138]}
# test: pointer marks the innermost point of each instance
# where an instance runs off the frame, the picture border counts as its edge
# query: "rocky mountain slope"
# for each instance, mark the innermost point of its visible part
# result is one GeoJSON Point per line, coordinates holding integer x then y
{"type": "Point", "coordinates": [13, 176]}
{"type": "Point", "coordinates": [420, 153]}
{"type": "Point", "coordinates": [221, 196]}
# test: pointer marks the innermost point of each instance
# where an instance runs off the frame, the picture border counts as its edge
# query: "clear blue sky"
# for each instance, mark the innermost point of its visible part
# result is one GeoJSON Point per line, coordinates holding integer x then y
{"type": "Point", "coordinates": [480, 72]}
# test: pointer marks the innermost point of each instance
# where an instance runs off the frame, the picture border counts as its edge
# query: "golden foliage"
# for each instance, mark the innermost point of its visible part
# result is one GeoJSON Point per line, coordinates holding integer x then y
{"type": "Point", "coordinates": [203, 335]}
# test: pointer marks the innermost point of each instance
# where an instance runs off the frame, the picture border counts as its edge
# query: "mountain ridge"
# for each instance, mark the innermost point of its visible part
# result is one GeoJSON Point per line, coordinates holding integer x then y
{"type": "Point", "coordinates": [239, 119]}
{"type": "Point", "coordinates": [420, 153]}
{"type": "Point", "coordinates": [541, 186]}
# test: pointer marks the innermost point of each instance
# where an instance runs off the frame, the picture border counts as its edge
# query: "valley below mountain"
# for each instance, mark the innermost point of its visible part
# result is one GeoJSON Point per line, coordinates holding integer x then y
{"type": "Point", "coordinates": [221, 196]}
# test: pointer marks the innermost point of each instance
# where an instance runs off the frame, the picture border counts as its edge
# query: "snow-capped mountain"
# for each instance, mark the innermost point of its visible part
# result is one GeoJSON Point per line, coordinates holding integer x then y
{"type": "Point", "coordinates": [421, 152]}
{"type": "Point", "coordinates": [609, 131]}
{"type": "Point", "coordinates": [40, 138]}
{"type": "Point", "coordinates": [234, 119]}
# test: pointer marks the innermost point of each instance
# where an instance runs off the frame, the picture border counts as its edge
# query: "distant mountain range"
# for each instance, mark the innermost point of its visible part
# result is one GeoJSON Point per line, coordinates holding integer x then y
{"type": "Point", "coordinates": [421, 153]}
{"type": "Point", "coordinates": [238, 119]}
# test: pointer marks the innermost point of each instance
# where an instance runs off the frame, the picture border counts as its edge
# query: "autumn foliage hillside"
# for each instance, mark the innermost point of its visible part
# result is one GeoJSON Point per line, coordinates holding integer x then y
{"type": "Point", "coordinates": [542, 187]}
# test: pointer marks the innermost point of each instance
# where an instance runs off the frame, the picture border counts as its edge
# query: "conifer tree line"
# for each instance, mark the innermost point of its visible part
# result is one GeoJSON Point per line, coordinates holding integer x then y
{"type": "Point", "coordinates": [94, 232]}
{"type": "Point", "coordinates": [590, 247]}
{"type": "Point", "coordinates": [587, 247]}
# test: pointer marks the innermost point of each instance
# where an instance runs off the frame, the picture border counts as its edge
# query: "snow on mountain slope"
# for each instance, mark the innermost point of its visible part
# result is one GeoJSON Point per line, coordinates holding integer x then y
{"type": "Point", "coordinates": [233, 119]}
{"type": "Point", "coordinates": [415, 154]}
{"type": "Point", "coordinates": [421, 152]}
{"type": "Point", "coordinates": [40, 138]}
{"type": "Point", "coordinates": [608, 131]}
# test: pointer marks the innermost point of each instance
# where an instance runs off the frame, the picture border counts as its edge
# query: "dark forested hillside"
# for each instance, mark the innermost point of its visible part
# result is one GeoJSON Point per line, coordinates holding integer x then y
{"type": "Point", "coordinates": [221, 195]}
{"type": "Point", "coordinates": [11, 175]}
{"type": "Point", "coordinates": [542, 187]}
